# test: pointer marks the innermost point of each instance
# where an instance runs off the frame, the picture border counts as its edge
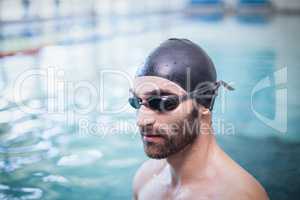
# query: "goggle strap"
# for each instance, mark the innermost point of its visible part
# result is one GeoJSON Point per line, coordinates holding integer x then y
{"type": "Point", "coordinates": [225, 85]}
{"type": "Point", "coordinates": [218, 84]}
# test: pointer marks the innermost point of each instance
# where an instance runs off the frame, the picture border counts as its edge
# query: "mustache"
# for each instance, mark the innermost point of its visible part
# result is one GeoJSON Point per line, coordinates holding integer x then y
{"type": "Point", "coordinates": [150, 131]}
{"type": "Point", "coordinates": [156, 131]}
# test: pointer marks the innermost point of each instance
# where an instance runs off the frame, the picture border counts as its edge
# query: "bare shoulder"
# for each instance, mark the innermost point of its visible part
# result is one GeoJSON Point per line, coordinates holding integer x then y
{"type": "Point", "coordinates": [145, 173]}
{"type": "Point", "coordinates": [251, 188]}
{"type": "Point", "coordinates": [242, 183]}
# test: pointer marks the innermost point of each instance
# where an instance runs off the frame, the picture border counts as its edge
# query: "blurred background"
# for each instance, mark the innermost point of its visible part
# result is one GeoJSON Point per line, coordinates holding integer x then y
{"type": "Point", "coordinates": [66, 131]}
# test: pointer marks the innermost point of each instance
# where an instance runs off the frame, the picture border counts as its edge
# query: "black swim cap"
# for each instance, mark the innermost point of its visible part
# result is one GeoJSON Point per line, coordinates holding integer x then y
{"type": "Point", "coordinates": [185, 63]}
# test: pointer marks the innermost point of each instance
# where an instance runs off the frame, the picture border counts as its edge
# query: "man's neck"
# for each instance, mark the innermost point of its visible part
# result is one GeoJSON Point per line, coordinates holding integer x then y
{"type": "Point", "coordinates": [193, 159]}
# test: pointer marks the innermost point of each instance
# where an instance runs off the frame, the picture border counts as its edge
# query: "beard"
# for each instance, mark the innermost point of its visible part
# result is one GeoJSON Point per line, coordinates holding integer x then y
{"type": "Point", "coordinates": [182, 134]}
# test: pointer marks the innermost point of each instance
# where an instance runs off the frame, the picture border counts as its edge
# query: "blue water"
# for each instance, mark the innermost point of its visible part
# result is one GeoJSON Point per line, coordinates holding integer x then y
{"type": "Point", "coordinates": [46, 154]}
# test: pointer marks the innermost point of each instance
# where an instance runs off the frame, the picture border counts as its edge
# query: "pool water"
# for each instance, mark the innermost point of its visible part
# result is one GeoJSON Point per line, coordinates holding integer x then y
{"type": "Point", "coordinates": [62, 149]}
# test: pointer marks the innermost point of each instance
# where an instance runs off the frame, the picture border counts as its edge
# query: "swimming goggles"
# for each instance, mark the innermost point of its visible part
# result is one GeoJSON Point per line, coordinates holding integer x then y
{"type": "Point", "coordinates": [164, 103]}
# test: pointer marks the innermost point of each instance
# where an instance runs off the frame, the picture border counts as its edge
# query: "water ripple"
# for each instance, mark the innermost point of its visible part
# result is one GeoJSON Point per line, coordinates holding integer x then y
{"type": "Point", "coordinates": [24, 193]}
{"type": "Point", "coordinates": [84, 158]}
{"type": "Point", "coordinates": [55, 178]}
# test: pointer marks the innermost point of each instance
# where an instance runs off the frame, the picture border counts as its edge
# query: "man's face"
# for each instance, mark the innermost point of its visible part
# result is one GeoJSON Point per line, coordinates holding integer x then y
{"type": "Point", "coordinates": [165, 133]}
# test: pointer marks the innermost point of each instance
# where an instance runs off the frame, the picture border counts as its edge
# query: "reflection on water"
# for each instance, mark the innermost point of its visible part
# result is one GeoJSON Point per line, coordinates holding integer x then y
{"type": "Point", "coordinates": [46, 155]}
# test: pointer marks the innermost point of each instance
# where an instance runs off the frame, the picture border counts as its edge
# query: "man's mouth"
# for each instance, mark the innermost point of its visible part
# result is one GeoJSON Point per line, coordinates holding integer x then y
{"type": "Point", "coordinates": [152, 138]}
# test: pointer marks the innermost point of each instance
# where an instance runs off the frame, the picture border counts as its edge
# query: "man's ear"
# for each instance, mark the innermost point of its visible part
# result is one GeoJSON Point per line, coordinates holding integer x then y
{"type": "Point", "coordinates": [205, 115]}
{"type": "Point", "coordinates": [205, 120]}
{"type": "Point", "coordinates": [205, 111]}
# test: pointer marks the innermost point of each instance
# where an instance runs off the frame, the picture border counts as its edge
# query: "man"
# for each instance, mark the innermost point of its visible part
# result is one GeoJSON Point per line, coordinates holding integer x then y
{"type": "Point", "coordinates": [174, 93]}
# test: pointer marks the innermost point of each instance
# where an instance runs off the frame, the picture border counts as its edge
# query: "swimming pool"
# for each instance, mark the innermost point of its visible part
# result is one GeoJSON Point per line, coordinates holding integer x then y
{"type": "Point", "coordinates": [67, 150]}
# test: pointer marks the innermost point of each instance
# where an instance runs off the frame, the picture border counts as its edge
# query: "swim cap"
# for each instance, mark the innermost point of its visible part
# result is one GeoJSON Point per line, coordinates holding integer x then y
{"type": "Point", "coordinates": [185, 63]}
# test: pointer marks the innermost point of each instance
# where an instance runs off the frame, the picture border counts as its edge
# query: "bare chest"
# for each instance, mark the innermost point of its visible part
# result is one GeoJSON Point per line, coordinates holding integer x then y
{"type": "Point", "coordinates": [158, 190]}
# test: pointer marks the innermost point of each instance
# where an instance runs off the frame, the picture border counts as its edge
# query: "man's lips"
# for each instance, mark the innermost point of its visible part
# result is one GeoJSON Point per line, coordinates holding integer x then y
{"type": "Point", "coordinates": [152, 137]}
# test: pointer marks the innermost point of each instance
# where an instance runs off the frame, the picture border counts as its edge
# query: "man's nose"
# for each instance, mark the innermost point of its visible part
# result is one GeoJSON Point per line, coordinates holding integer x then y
{"type": "Point", "coordinates": [145, 118]}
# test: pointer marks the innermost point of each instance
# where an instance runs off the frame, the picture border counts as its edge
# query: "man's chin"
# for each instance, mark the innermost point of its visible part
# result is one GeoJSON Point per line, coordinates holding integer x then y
{"type": "Point", "coordinates": [156, 155]}
{"type": "Point", "coordinates": [155, 152]}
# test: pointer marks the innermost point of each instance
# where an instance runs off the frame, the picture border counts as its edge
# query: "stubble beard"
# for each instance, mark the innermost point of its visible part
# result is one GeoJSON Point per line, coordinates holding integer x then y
{"type": "Point", "coordinates": [183, 135]}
